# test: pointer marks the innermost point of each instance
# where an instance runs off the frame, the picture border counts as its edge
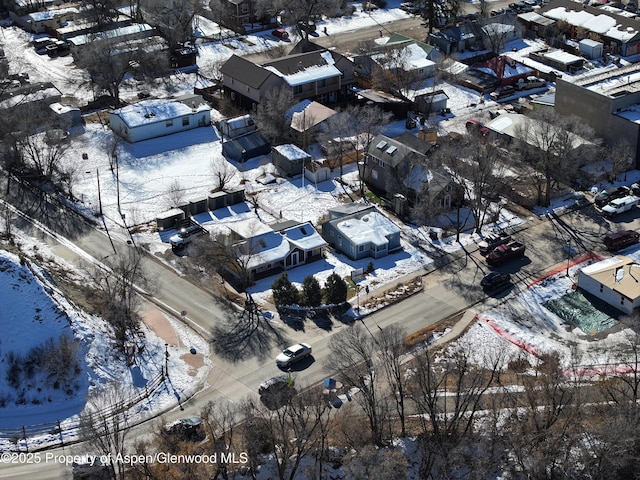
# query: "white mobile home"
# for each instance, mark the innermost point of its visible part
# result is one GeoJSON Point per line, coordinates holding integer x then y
{"type": "Point", "coordinates": [156, 118]}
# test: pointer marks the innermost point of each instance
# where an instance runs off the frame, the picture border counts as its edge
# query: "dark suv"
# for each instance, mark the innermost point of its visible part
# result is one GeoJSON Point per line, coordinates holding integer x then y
{"type": "Point", "coordinates": [619, 240]}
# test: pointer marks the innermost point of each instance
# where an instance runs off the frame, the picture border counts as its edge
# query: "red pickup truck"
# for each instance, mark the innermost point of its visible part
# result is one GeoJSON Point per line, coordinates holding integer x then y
{"type": "Point", "coordinates": [504, 253]}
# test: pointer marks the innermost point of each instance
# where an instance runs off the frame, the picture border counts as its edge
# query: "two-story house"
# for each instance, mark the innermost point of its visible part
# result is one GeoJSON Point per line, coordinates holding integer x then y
{"type": "Point", "coordinates": [401, 166]}
{"type": "Point", "coordinates": [322, 75]}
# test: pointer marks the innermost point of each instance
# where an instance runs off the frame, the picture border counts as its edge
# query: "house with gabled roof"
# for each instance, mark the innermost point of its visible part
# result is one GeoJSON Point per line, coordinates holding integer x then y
{"type": "Point", "coordinates": [278, 250]}
{"type": "Point", "coordinates": [322, 75]}
{"type": "Point", "coordinates": [360, 231]}
{"type": "Point", "coordinates": [156, 118]}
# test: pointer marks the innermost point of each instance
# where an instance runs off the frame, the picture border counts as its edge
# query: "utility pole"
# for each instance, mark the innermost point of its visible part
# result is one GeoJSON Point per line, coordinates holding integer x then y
{"type": "Point", "coordinates": [99, 195]}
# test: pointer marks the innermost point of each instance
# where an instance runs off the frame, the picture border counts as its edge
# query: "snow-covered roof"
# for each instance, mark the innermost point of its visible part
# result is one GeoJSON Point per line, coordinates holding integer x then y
{"type": "Point", "coordinates": [417, 57]}
{"type": "Point", "coordinates": [618, 273]}
{"type": "Point", "coordinates": [50, 14]}
{"type": "Point", "coordinates": [248, 227]}
{"type": "Point", "coordinates": [602, 24]}
{"type": "Point", "coordinates": [291, 152]}
{"type": "Point", "coordinates": [152, 111]}
{"type": "Point", "coordinates": [115, 33]}
{"type": "Point", "coordinates": [309, 74]}
{"type": "Point", "coordinates": [304, 237]}
{"type": "Point", "coordinates": [370, 228]}
{"type": "Point", "coordinates": [270, 247]}
{"type": "Point", "coordinates": [308, 114]}
{"type": "Point", "coordinates": [562, 57]}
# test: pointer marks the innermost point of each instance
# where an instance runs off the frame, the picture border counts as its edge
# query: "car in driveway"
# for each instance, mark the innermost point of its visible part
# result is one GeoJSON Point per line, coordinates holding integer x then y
{"type": "Point", "coordinates": [620, 205]}
{"type": "Point", "coordinates": [184, 236]}
{"type": "Point", "coordinates": [293, 354]}
{"type": "Point", "coordinates": [605, 196]}
{"type": "Point", "coordinates": [495, 281]}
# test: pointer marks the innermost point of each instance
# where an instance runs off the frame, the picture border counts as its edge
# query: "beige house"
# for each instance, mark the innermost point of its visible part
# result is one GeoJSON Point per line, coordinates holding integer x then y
{"type": "Point", "coordinates": [615, 280]}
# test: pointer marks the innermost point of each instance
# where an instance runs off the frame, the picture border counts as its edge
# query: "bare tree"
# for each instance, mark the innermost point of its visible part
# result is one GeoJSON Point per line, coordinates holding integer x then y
{"type": "Point", "coordinates": [438, 13]}
{"type": "Point", "coordinates": [109, 61]}
{"type": "Point", "coordinates": [175, 23]}
{"type": "Point", "coordinates": [476, 168]}
{"type": "Point", "coordinates": [372, 463]}
{"type": "Point", "coordinates": [353, 353]}
{"type": "Point", "coordinates": [394, 72]}
{"type": "Point", "coordinates": [621, 157]}
{"type": "Point", "coordinates": [368, 122]}
{"type": "Point", "coordinates": [43, 152]}
{"type": "Point", "coordinates": [296, 12]}
{"type": "Point", "coordinates": [339, 134]}
{"type": "Point", "coordinates": [220, 420]}
{"type": "Point", "coordinates": [448, 393]}
{"type": "Point", "coordinates": [542, 433]}
{"type": "Point", "coordinates": [551, 148]}
{"type": "Point", "coordinates": [104, 425]}
{"type": "Point", "coordinates": [175, 194]}
{"type": "Point", "coordinates": [293, 430]}
{"type": "Point", "coordinates": [117, 289]}
{"type": "Point", "coordinates": [392, 351]}
{"type": "Point", "coordinates": [271, 114]}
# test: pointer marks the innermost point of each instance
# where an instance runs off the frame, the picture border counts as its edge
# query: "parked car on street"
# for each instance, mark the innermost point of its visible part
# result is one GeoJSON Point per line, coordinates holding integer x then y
{"type": "Point", "coordinates": [605, 196]}
{"type": "Point", "coordinates": [620, 205]}
{"type": "Point", "coordinates": [187, 429]}
{"type": "Point", "coordinates": [492, 241]}
{"type": "Point", "coordinates": [293, 354]}
{"type": "Point", "coordinates": [504, 253]}
{"type": "Point", "coordinates": [495, 281]}
{"type": "Point", "coordinates": [618, 240]}
{"type": "Point", "coordinates": [275, 384]}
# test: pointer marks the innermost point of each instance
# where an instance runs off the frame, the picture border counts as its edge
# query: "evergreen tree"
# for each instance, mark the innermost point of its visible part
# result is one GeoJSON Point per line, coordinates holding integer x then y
{"type": "Point", "coordinates": [284, 292]}
{"type": "Point", "coordinates": [335, 289]}
{"type": "Point", "coordinates": [311, 291]}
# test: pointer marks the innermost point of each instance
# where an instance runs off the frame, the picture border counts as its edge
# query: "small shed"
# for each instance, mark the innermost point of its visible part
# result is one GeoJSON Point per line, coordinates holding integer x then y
{"type": "Point", "coordinates": [66, 115]}
{"type": "Point", "coordinates": [290, 158]}
{"type": "Point", "coordinates": [431, 102]}
{"type": "Point", "coordinates": [316, 172]}
{"type": "Point", "coordinates": [237, 126]}
{"type": "Point", "coordinates": [590, 48]}
{"type": "Point", "coordinates": [167, 220]}
{"type": "Point", "coordinates": [246, 147]}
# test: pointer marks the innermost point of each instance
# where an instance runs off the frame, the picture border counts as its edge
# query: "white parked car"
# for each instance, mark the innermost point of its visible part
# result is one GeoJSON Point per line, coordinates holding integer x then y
{"type": "Point", "coordinates": [293, 354]}
{"type": "Point", "coordinates": [184, 236]}
{"type": "Point", "coordinates": [620, 205]}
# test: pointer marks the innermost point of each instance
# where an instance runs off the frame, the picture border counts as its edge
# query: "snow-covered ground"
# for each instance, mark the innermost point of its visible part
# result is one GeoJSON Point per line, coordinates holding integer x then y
{"type": "Point", "coordinates": [35, 311]}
